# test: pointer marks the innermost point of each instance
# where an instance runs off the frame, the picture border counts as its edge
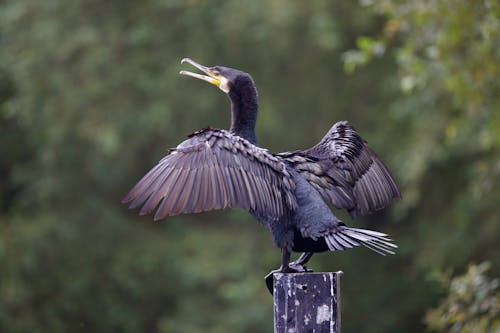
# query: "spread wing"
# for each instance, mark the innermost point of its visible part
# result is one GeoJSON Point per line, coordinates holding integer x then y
{"type": "Point", "coordinates": [350, 170]}
{"type": "Point", "coordinates": [327, 180]}
{"type": "Point", "coordinates": [214, 169]}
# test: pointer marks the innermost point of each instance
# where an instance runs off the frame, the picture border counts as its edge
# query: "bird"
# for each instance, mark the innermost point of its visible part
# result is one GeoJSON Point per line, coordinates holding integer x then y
{"type": "Point", "coordinates": [290, 193]}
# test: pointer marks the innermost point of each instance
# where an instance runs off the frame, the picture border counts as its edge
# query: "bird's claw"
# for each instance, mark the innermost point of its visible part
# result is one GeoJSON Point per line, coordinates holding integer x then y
{"type": "Point", "coordinates": [291, 268]}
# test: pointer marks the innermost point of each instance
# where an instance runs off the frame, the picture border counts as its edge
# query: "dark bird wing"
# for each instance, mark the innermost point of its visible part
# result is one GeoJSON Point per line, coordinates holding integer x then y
{"type": "Point", "coordinates": [214, 169]}
{"type": "Point", "coordinates": [360, 178]}
{"type": "Point", "coordinates": [325, 178]}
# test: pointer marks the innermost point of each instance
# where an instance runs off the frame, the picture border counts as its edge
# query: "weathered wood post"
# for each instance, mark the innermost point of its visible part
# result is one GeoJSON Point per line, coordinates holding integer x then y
{"type": "Point", "coordinates": [307, 302]}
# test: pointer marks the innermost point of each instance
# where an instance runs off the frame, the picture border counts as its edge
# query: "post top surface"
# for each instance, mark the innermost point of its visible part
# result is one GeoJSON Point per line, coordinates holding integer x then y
{"type": "Point", "coordinates": [279, 275]}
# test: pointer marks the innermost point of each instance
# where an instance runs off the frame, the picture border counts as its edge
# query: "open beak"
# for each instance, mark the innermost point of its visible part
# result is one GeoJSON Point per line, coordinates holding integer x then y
{"type": "Point", "coordinates": [210, 77]}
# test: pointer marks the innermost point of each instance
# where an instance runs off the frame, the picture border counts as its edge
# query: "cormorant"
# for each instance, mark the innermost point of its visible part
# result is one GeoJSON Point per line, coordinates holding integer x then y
{"type": "Point", "coordinates": [287, 192]}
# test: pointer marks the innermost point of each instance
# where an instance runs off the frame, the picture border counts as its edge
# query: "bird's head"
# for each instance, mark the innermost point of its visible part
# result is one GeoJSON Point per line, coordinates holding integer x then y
{"type": "Point", "coordinates": [242, 93]}
{"type": "Point", "coordinates": [223, 77]}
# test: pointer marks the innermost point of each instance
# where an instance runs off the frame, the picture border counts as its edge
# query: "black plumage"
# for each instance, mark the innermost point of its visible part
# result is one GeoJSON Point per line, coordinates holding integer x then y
{"type": "Point", "coordinates": [287, 192]}
{"type": "Point", "coordinates": [215, 169]}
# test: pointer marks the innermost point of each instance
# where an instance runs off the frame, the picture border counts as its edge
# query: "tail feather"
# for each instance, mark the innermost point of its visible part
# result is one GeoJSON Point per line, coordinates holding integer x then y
{"type": "Point", "coordinates": [345, 238]}
{"type": "Point", "coordinates": [374, 249]}
{"type": "Point", "coordinates": [343, 242]}
{"type": "Point", "coordinates": [349, 240]}
{"type": "Point", "coordinates": [333, 244]}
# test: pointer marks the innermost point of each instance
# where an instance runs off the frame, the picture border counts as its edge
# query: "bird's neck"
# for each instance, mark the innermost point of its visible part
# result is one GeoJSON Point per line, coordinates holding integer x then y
{"type": "Point", "coordinates": [244, 108]}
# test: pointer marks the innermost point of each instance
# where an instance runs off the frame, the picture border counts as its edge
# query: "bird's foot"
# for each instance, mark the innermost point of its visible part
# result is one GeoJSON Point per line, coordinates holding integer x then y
{"type": "Point", "coordinates": [296, 267]}
{"type": "Point", "coordinates": [293, 267]}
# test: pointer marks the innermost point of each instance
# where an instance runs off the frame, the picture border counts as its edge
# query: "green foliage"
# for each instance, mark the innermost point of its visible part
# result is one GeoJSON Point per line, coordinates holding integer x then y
{"type": "Point", "coordinates": [449, 68]}
{"type": "Point", "coordinates": [90, 99]}
{"type": "Point", "coordinates": [367, 49]}
{"type": "Point", "coordinates": [472, 304]}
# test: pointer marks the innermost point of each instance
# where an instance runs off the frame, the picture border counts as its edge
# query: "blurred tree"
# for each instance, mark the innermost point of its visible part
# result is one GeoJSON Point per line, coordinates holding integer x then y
{"type": "Point", "coordinates": [471, 306]}
{"type": "Point", "coordinates": [449, 68]}
{"type": "Point", "coordinates": [90, 99]}
{"type": "Point", "coordinates": [448, 158]}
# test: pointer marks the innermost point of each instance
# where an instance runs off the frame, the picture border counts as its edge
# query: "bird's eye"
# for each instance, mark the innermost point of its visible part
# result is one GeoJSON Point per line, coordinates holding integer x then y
{"type": "Point", "coordinates": [216, 73]}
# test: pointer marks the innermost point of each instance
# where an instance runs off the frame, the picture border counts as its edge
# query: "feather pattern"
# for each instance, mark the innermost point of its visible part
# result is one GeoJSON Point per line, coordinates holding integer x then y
{"type": "Point", "coordinates": [323, 177]}
{"type": "Point", "coordinates": [215, 169]}
{"type": "Point", "coordinates": [356, 179]}
{"type": "Point", "coordinates": [343, 237]}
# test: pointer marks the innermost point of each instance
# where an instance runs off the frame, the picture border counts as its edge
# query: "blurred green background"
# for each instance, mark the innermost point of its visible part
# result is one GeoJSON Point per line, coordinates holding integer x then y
{"type": "Point", "coordinates": [90, 99]}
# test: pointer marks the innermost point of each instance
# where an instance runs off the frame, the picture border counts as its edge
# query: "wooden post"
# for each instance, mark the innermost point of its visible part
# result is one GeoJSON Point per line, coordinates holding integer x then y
{"type": "Point", "coordinates": [307, 302]}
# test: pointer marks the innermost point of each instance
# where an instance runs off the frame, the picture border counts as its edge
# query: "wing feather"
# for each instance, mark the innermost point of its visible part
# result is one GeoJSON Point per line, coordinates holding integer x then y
{"type": "Point", "coordinates": [345, 158]}
{"type": "Point", "coordinates": [180, 204]}
{"type": "Point", "coordinates": [215, 169]}
{"type": "Point", "coordinates": [177, 191]}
